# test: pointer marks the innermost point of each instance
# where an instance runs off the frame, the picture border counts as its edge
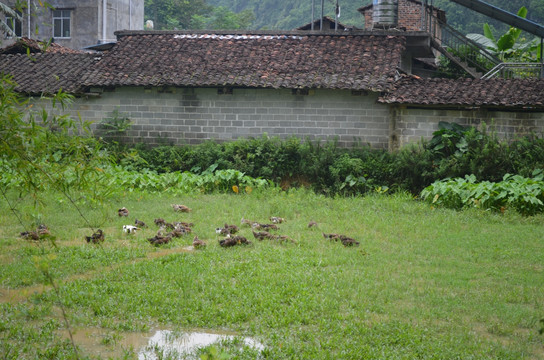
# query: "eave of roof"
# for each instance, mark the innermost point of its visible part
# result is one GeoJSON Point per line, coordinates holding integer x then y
{"type": "Point", "coordinates": [47, 73]}
{"type": "Point", "coordinates": [468, 93]}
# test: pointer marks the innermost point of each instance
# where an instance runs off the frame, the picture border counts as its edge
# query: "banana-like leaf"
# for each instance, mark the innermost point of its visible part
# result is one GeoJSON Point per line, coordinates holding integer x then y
{"type": "Point", "coordinates": [506, 41]}
{"type": "Point", "coordinates": [488, 33]}
{"type": "Point", "coordinates": [522, 12]}
{"type": "Point", "coordinates": [484, 41]}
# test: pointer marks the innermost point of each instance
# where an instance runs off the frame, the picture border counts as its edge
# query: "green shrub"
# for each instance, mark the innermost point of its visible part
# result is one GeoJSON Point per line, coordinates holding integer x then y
{"type": "Point", "coordinates": [454, 152]}
{"type": "Point", "coordinates": [525, 195]}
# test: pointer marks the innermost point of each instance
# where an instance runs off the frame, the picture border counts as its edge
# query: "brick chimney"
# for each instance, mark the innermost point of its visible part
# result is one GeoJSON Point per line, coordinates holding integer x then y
{"type": "Point", "coordinates": [409, 16]}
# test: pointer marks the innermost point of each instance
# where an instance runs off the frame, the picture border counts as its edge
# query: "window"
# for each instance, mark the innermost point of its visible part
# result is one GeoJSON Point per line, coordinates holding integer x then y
{"type": "Point", "coordinates": [15, 25]}
{"type": "Point", "coordinates": [61, 23]}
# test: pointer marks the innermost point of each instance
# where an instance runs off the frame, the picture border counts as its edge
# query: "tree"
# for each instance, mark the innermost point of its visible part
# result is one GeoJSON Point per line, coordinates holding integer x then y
{"type": "Point", "coordinates": [174, 14]}
{"type": "Point", "coordinates": [45, 150]}
{"type": "Point", "coordinates": [222, 18]}
{"type": "Point", "coordinates": [14, 14]}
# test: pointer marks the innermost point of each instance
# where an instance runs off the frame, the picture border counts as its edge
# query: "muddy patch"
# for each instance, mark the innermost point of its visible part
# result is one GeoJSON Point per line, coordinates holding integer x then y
{"type": "Point", "coordinates": [153, 345]}
{"type": "Point", "coordinates": [185, 345]}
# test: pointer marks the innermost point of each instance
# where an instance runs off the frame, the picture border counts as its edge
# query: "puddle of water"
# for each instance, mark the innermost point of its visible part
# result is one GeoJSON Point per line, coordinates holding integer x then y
{"type": "Point", "coordinates": [185, 344]}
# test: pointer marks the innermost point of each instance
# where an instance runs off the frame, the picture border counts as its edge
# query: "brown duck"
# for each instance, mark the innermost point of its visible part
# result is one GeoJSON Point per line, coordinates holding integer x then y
{"type": "Point", "coordinates": [258, 226]}
{"type": "Point", "coordinates": [180, 208]}
{"type": "Point", "coordinates": [122, 212]}
{"type": "Point", "coordinates": [159, 222]}
{"type": "Point", "coordinates": [347, 241]}
{"type": "Point", "coordinates": [160, 240]}
{"type": "Point", "coordinates": [140, 223]}
{"type": "Point", "coordinates": [234, 240]}
{"type": "Point", "coordinates": [30, 235]}
{"type": "Point", "coordinates": [227, 229]}
{"type": "Point", "coordinates": [331, 237]}
{"type": "Point", "coordinates": [96, 237]}
{"type": "Point", "coordinates": [261, 235]}
{"type": "Point", "coordinates": [277, 220]}
{"type": "Point", "coordinates": [197, 243]}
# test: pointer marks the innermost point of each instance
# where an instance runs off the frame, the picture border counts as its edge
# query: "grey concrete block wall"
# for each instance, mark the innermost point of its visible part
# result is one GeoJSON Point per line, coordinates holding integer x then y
{"type": "Point", "coordinates": [412, 125]}
{"type": "Point", "coordinates": [191, 116]}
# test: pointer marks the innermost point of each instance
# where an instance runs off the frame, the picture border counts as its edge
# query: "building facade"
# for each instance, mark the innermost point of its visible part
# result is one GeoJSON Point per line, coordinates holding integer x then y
{"type": "Point", "coordinates": [76, 23]}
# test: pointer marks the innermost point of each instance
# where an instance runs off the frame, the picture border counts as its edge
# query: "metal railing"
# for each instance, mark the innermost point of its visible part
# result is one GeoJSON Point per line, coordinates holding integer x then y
{"type": "Point", "coordinates": [516, 71]}
{"type": "Point", "coordinates": [465, 52]}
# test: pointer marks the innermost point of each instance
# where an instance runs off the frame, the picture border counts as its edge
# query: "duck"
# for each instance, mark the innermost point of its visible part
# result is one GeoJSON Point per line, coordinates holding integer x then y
{"type": "Point", "coordinates": [247, 222]}
{"type": "Point", "coordinates": [227, 242]}
{"type": "Point", "coordinates": [197, 243]}
{"type": "Point", "coordinates": [122, 212]}
{"type": "Point", "coordinates": [43, 230]}
{"type": "Point", "coordinates": [96, 237]}
{"type": "Point", "coordinates": [160, 240]}
{"type": "Point", "coordinates": [258, 226]}
{"type": "Point", "coordinates": [234, 240]}
{"type": "Point", "coordinates": [277, 220]}
{"type": "Point", "coordinates": [181, 208]}
{"type": "Point", "coordinates": [227, 229]}
{"type": "Point", "coordinates": [184, 224]}
{"type": "Point", "coordinates": [331, 237]}
{"type": "Point", "coordinates": [130, 229]}
{"type": "Point", "coordinates": [312, 224]}
{"type": "Point", "coordinates": [30, 235]}
{"type": "Point", "coordinates": [347, 241]}
{"type": "Point", "coordinates": [261, 235]}
{"type": "Point", "coordinates": [140, 223]}
{"type": "Point", "coordinates": [159, 221]}
{"type": "Point", "coordinates": [177, 233]}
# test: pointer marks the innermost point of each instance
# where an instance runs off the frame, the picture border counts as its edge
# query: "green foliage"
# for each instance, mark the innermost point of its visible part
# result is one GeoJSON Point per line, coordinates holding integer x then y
{"type": "Point", "coordinates": [508, 48]}
{"type": "Point", "coordinates": [222, 18]}
{"type": "Point", "coordinates": [183, 15]}
{"type": "Point", "coordinates": [288, 15]}
{"type": "Point", "coordinates": [525, 195]}
{"type": "Point", "coordinates": [7, 12]}
{"type": "Point", "coordinates": [210, 181]}
{"type": "Point", "coordinates": [40, 152]}
{"type": "Point", "coordinates": [468, 21]}
{"type": "Point", "coordinates": [454, 151]}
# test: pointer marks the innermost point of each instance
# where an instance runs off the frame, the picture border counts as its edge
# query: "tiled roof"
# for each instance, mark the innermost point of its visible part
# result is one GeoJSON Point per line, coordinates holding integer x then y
{"type": "Point", "coordinates": [468, 92]}
{"type": "Point", "coordinates": [265, 60]}
{"type": "Point", "coordinates": [47, 72]}
{"type": "Point", "coordinates": [36, 46]}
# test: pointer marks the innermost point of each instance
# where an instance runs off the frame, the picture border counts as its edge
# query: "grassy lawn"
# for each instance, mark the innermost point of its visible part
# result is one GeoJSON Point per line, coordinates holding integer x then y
{"type": "Point", "coordinates": [423, 283]}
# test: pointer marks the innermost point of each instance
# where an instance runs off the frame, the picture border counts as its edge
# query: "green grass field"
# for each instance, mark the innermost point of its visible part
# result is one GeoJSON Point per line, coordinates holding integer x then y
{"type": "Point", "coordinates": [423, 283]}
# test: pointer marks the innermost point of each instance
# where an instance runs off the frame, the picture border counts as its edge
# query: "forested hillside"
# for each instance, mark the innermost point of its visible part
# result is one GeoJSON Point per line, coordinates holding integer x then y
{"type": "Point", "coordinates": [289, 14]}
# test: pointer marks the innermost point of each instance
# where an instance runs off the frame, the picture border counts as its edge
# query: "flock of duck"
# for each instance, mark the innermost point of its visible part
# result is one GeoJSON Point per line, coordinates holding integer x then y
{"type": "Point", "coordinates": [167, 231]}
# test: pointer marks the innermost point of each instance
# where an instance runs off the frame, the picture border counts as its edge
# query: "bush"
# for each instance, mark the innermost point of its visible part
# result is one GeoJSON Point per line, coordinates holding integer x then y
{"type": "Point", "coordinates": [525, 195]}
{"type": "Point", "coordinates": [453, 152]}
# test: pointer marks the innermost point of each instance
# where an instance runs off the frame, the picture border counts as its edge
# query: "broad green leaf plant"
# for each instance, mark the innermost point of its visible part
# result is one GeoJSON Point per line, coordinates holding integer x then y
{"type": "Point", "coordinates": [509, 46]}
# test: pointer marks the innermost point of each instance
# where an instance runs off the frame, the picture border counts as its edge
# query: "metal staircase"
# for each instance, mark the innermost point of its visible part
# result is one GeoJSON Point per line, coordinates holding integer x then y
{"type": "Point", "coordinates": [459, 49]}
{"type": "Point", "coordinates": [471, 56]}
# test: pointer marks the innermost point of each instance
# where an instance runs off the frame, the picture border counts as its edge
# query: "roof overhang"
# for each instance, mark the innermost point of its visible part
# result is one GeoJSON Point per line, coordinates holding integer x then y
{"type": "Point", "coordinates": [418, 44]}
